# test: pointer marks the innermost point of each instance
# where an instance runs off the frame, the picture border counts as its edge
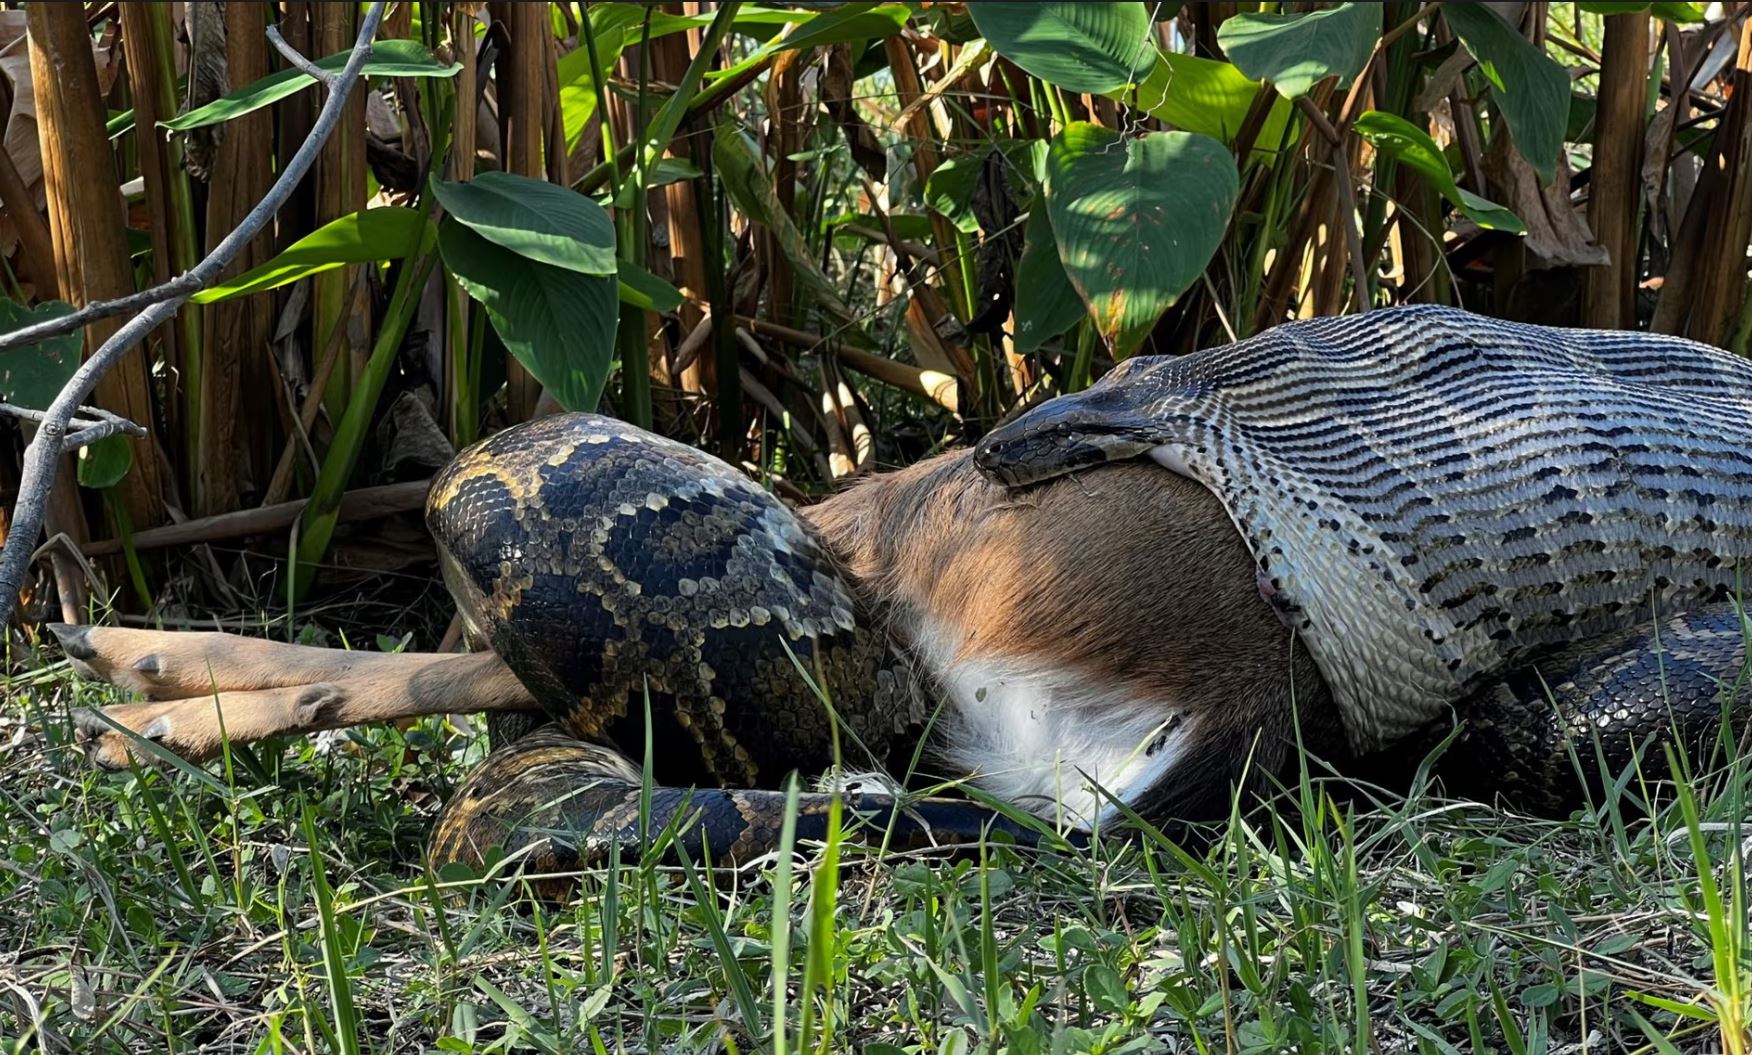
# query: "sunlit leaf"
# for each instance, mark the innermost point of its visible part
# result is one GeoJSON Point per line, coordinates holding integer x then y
{"type": "Point", "coordinates": [1136, 219]}
{"type": "Point", "coordinates": [389, 232]}
{"type": "Point", "coordinates": [950, 187]}
{"type": "Point", "coordinates": [32, 376]}
{"type": "Point", "coordinates": [1092, 48]}
{"type": "Point", "coordinates": [1529, 86]}
{"type": "Point", "coordinates": [536, 219]}
{"type": "Point", "coordinates": [1676, 12]}
{"type": "Point", "coordinates": [1296, 52]}
{"type": "Point", "coordinates": [1412, 147]}
{"type": "Point", "coordinates": [559, 323]}
{"type": "Point", "coordinates": [1209, 97]}
{"type": "Point", "coordinates": [389, 58]}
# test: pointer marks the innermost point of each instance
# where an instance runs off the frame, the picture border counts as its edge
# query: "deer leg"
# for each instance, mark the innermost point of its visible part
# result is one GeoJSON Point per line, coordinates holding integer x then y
{"type": "Point", "coordinates": [205, 688]}
{"type": "Point", "coordinates": [176, 665]}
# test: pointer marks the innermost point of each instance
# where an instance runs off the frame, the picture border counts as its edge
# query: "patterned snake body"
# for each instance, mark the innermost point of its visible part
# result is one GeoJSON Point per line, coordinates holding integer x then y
{"type": "Point", "coordinates": [1455, 514]}
{"type": "Point", "coordinates": [1433, 496]}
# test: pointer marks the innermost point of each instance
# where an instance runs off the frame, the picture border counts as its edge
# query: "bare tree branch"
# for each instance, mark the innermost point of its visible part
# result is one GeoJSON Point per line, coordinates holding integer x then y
{"type": "Point", "coordinates": [162, 303]}
{"type": "Point", "coordinates": [88, 425]}
{"type": "Point", "coordinates": [203, 274]}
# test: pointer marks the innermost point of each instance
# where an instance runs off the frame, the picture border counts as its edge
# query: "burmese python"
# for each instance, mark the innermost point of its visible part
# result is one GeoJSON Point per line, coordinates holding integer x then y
{"type": "Point", "coordinates": [1538, 528]}
{"type": "Point", "coordinates": [621, 574]}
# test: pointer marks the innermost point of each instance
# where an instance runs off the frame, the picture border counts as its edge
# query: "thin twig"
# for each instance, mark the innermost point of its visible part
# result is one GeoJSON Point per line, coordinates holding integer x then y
{"type": "Point", "coordinates": [88, 425]}
{"type": "Point", "coordinates": [45, 450]}
{"type": "Point", "coordinates": [204, 273]}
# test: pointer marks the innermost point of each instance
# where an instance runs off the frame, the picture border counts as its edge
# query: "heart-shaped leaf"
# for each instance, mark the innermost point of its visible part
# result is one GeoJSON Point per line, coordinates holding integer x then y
{"type": "Point", "coordinates": [1412, 146]}
{"type": "Point", "coordinates": [1050, 305]}
{"type": "Point", "coordinates": [535, 219]}
{"type": "Point", "coordinates": [389, 58]}
{"type": "Point", "coordinates": [1136, 219]}
{"type": "Point", "coordinates": [1296, 52]}
{"type": "Point", "coordinates": [560, 324]}
{"type": "Point", "coordinates": [32, 376]}
{"type": "Point", "coordinates": [389, 232]}
{"type": "Point", "coordinates": [1530, 87]}
{"type": "Point", "coordinates": [1091, 48]}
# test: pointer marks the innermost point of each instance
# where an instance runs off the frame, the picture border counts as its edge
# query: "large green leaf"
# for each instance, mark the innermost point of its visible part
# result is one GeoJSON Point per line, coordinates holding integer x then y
{"type": "Point", "coordinates": [1296, 52]}
{"type": "Point", "coordinates": [1049, 304]}
{"type": "Point", "coordinates": [32, 376]}
{"type": "Point", "coordinates": [536, 219]}
{"type": "Point", "coordinates": [389, 58]}
{"type": "Point", "coordinates": [1079, 47]}
{"type": "Point", "coordinates": [1529, 86]}
{"type": "Point", "coordinates": [1136, 219]}
{"type": "Point", "coordinates": [1208, 97]}
{"type": "Point", "coordinates": [560, 324]}
{"type": "Point", "coordinates": [1412, 146]}
{"type": "Point", "coordinates": [390, 232]}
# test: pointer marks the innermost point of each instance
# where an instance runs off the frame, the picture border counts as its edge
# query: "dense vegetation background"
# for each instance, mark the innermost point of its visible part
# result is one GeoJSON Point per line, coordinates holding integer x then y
{"type": "Point", "coordinates": [818, 239]}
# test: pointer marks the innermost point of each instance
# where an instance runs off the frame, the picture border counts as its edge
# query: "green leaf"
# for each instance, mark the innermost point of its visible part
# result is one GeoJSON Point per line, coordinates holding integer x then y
{"type": "Point", "coordinates": [1051, 305]}
{"type": "Point", "coordinates": [1208, 97]}
{"type": "Point", "coordinates": [560, 324]}
{"type": "Point", "coordinates": [1531, 89]}
{"type": "Point", "coordinates": [1136, 219]}
{"type": "Point", "coordinates": [1683, 13]}
{"type": "Point", "coordinates": [384, 233]}
{"type": "Point", "coordinates": [1412, 147]}
{"type": "Point", "coordinates": [643, 290]}
{"type": "Point", "coordinates": [389, 58]}
{"type": "Point", "coordinates": [671, 170]}
{"type": "Point", "coordinates": [32, 376]}
{"type": "Point", "coordinates": [1296, 52]}
{"type": "Point", "coordinates": [949, 190]}
{"type": "Point", "coordinates": [104, 463]}
{"type": "Point", "coordinates": [535, 219]}
{"type": "Point", "coordinates": [1093, 48]}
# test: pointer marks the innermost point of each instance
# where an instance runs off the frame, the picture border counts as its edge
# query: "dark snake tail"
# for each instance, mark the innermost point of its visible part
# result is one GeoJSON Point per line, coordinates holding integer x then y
{"type": "Point", "coordinates": [562, 805]}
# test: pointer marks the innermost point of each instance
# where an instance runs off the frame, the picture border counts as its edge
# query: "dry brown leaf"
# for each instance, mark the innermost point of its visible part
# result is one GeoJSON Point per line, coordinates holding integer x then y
{"type": "Point", "coordinates": [1557, 236]}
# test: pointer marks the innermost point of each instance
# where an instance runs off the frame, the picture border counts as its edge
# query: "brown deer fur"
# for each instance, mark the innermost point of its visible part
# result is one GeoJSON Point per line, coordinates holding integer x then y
{"type": "Point", "coordinates": [1129, 579]}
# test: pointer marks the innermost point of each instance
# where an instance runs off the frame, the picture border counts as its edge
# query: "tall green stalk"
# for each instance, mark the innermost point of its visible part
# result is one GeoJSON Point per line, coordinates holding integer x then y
{"type": "Point", "coordinates": [317, 526]}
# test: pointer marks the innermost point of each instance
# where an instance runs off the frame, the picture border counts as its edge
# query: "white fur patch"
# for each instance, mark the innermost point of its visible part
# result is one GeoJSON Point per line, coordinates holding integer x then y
{"type": "Point", "coordinates": [1043, 738]}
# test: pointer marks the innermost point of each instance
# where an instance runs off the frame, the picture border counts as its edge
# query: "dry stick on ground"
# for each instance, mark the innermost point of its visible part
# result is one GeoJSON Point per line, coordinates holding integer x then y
{"type": "Point", "coordinates": [161, 302]}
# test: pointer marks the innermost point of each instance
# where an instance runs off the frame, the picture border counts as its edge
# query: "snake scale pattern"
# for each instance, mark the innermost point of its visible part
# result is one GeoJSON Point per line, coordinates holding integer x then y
{"type": "Point", "coordinates": [1539, 529]}
{"type": "Point", "coordinates": [1432, 495]}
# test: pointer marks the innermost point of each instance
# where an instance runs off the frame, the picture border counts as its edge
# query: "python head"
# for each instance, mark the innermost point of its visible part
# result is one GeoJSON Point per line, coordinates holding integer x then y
{"type": "Point", "coordinates": [1110, 421]}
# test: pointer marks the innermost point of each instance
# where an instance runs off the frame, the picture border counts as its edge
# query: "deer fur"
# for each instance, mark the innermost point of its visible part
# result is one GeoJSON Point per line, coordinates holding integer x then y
{"type": "Point", "coordinates": [1099, 635]}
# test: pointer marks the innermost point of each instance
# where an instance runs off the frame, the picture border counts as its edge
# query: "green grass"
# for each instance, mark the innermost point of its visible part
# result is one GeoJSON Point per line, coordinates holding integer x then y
{"type": "Point", "coordinates": [279, 903]}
